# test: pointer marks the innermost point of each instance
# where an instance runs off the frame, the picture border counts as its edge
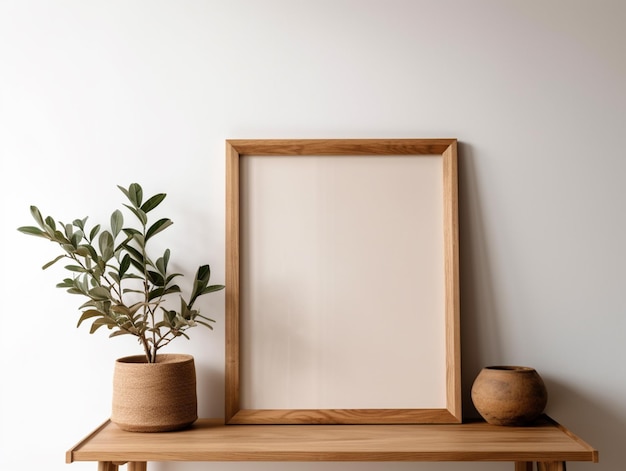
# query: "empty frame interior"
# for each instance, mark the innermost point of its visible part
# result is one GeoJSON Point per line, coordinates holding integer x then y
{"type": "Point", "coordinates": [342, 281]}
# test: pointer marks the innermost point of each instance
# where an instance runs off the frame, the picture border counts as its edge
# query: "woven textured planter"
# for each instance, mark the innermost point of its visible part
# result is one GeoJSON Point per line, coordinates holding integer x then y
{"type": "Point", "coordinates": [154, 397]}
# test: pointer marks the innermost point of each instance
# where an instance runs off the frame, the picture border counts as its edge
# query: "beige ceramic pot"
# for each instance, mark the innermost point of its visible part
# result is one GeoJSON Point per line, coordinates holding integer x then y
{"type": "Point", "coordinates": [154, 397]}
{"type": "Point", "coordinates": [509, 395]}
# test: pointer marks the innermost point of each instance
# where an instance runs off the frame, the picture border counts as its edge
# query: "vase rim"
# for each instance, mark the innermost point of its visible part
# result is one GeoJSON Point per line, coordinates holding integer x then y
{"type": "Point", "coordinates": [509, 368]}
{"type": "Point", "coordinates": [162, 358]}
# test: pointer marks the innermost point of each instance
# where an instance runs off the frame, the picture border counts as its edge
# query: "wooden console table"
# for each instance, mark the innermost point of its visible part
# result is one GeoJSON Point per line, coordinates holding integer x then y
{"type": "Point", "coordinates": [548, 444]}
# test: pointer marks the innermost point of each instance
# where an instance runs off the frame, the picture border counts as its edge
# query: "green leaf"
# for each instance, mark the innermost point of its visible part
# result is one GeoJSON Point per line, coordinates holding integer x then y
{"type": "Point", "coordinates": [143, 218]}
{"type": "Point", "coordinates": [156, 278]}
{"type": "Point", "coordinates": [202, 279]}
{"type": "Point", "coordinates": [100, 322]}
{"type": "Point", "coordinates": [155, 293]}
{"type": "Point", "coordinates": [66, 283]}
{"type": "Point", "coordinates": [75, 268]}
{"type": "Point", "coordinates": [50, 223]}
{"type": "Point", "coordinates": [128, 290]}
{"type": "Point", "coordinates": [117, 221]}
{"type": "Point", "coordinates": [117, 333]}
{"type": "Point", "coordinates": [134, 193]}
{"type": "Point", "coordinates": [76, 238]}
{"type": "Point", "coordinates": [130, 232]}
{"type": "Point", "coordinates": [139, 239]}
{"type": "Point", "coordinates": [124, 190]}
{"type": "Point", "coordinates": [31, 230]}
{"type": "Point", "coordinates": [88, 315]}
{"type": "Point", "coordinates": [135, 307]}
{"type": "Point", "coordinates": [105, 242]}
{"type": "Point", "coordinates": [124, 265]}
{"type": "Point", "coordinates": [99, 293]}
{"type": "Point", "coordinates": [37, 215]}
{"type": "Point", "coordinates": [121, 310]}
{"type": "Point", "coordinates": [90, 303]}
{"type": "Point", "coordinates": [203, 274]}
{"type": "Point", "coordinates": [83, 251]}
{"type": "Point", "coordinates": [157, 227]}
{"type": "Point", "coordinates": [80, 223]}
{"type": "Point", "coordinates": [205, 324]}
{"type": "Point", "coordinates": [138, 265]}
{"type": "Point", "coordinates": [52, 262]}
{"type": "Point", "coordinates": [212, 289]}
{"type": "Point", "coordinates": [94, 232]}
{"type": "Point", "coordinates": [91, 252]}
{"type": "Point", "coordinates": [160, 325]}
{"type": "Point", "coordinates": [184, 309]}
{"type": "Point", "coordinates": [170, 316]}
{"type": "Point", "coordinates": [132, 275]}
{"type": "Point", "coordinates": [74, 291]}
{"type": "Point", "coordinates": [161, 263]}
{"type": "Point", "coordinates": [95, 273]}
{"type": "Point", "coordinates": [171, 277]}
{"type": "Point", "coordinates": [85, 283]}
{"type": "Point", "coordinates": [153, 202]}
{"type": "Point", "coordinates": [69, 248]}
{"type": "Point", "coordinates": [172, 289]}
{"type": "Point", "coordinates": [208, 319]}
{"type": "Point", "coordinates": [136, 256]}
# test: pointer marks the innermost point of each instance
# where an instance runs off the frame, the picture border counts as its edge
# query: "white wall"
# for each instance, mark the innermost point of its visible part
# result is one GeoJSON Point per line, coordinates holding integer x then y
{"type": "Point", "coordinates": [99, 93]}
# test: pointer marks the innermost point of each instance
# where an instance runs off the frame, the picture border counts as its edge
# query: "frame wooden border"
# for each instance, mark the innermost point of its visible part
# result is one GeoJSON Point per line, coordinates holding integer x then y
{"type": "Point", "coordinates": [447, 149]}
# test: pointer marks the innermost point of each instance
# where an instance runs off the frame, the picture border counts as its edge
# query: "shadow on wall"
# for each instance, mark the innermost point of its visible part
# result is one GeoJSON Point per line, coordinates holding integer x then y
{"type": "Point", "coordinates": [210, 387]}
{"type": "Point", "coordinates": [479, 319]}
{"type": "Point", "coordinates": [594, 421]}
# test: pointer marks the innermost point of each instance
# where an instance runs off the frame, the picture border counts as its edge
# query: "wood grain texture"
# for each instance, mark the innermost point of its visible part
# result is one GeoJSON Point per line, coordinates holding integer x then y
{"type": "Point", "coordinates": [68, 455]}
{"type": "Point", "coordinates": [524, 466]}
{"type": "Point", "coordinates": [232, 282]}
{"type": "Point", "coordinates": [137, 466]}
{"type": "Point", "coordinates": [107, 466]}
{"type": "Point", "coordinates": [343, 416]}
{"type": "Point", "coordinates": [551, 466]}
{"type": "Point", "coordinates": [211, 440]}
{"type": "Point", "coordinates": [447, 148]}
{"type": "Point", "coordinates": [452, 291]}
{"type": "Point", "coordinates": [341, 146]}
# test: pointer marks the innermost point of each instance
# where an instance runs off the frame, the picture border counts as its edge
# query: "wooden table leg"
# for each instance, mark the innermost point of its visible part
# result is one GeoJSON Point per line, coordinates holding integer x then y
{"type": "Point", "coordinates": [524, 466]}
{"type": "Point", "coordinates": [137, 466]}
{"type": "Point", "coordinates": [551, 466]}
{"type": "Point", "coordinates": [131, 466]}
{"type": "Point", "coordinates": [106, 466]}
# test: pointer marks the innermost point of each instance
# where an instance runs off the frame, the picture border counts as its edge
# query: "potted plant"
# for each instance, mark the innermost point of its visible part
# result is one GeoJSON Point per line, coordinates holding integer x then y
{"type": "Point", "coordinates": [129, 292]}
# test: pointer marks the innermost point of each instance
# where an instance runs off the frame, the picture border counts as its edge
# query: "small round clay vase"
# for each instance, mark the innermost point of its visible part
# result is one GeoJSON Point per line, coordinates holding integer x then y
{"type": "Point", "coordinates": [154, 397]}
{"type": "Point", "coordinates": [509, 395]}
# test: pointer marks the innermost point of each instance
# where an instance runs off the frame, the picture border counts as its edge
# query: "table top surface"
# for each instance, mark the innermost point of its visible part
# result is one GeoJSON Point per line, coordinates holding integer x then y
{"type": "Point", "coordinates": [212, 440]}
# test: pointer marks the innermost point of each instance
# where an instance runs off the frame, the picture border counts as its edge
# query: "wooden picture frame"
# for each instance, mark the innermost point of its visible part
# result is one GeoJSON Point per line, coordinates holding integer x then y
{"type": "Point", "coordinates": [262, 311]}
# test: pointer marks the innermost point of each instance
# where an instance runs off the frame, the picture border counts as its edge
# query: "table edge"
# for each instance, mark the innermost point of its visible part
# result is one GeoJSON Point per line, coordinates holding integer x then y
{"type": "Point", "coordinates": [69, 454]}
{"type": "Point", "coordinates": [590, 454]}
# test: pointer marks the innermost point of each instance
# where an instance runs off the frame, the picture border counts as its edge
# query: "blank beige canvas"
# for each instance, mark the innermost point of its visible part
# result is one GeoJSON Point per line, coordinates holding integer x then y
{"type": "Point", "coordinates": [342, 287]}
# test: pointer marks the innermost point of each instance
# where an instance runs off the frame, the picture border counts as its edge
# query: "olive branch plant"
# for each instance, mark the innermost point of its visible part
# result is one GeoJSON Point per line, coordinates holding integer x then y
{"type": "Point", "coordinates": [126, 289]}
